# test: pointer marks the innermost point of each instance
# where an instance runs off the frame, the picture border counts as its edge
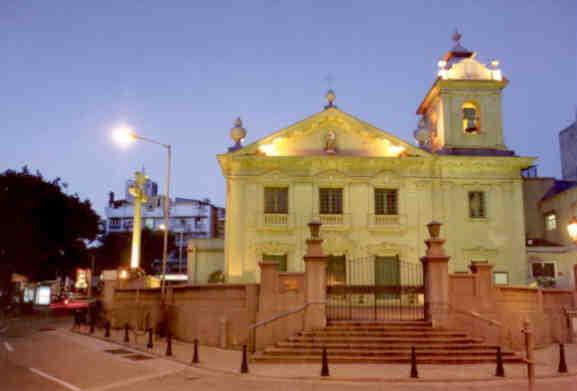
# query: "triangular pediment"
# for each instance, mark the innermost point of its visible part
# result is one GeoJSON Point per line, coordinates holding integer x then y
{"type": "Point", "coordinates": [331, 132]}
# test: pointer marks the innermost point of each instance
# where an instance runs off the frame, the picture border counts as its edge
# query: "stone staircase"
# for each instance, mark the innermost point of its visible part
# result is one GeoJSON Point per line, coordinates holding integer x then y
{"type": "Point", "coordinates": [387, 342]}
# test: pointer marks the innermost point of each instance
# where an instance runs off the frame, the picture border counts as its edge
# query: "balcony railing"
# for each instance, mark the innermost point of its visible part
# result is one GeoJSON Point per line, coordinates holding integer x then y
{"type": "Point", "coordinates": [276, 219]}
{"type": "Point", "coordinates": [385, 221]}
{"type": "Point", "coordinates": [333, 219]}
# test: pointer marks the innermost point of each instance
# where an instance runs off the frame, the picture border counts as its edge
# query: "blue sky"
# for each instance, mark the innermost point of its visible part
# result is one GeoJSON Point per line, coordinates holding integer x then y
{"type": "Point", "coordinates": [181, 71]}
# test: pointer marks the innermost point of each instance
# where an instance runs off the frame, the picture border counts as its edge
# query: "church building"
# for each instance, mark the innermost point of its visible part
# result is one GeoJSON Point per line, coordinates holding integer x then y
{"type": "Point", "coordinates": [374, 193]}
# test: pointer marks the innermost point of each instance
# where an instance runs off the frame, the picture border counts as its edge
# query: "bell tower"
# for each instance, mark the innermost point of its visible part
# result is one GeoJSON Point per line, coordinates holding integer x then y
{"type": "Point", "coordinates": [462, 112]}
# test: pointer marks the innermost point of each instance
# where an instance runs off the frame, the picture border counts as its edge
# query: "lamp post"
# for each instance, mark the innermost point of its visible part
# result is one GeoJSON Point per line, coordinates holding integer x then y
{"type": "Point", "coordinates": [125, 136]}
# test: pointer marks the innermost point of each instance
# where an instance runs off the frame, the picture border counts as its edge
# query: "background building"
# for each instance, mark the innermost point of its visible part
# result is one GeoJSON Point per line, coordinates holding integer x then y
{"type": "Point", "coordinates": [188, 219]}
{"type": "Point", "coordinates": [568, 146]}
{"type": "Point", "coordinates": [550, 204]}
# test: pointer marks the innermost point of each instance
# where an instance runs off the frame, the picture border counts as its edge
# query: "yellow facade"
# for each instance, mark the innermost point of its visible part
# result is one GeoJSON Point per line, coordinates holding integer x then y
{"type": "Point", "coordinates": [429, 186]}
{"type": "Point", "coordinates": [333, 149]}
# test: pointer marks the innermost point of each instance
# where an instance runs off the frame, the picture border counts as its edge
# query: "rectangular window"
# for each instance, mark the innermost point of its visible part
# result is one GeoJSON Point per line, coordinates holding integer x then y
{"type": "Point", "coordinates": [115, 221]}
{"type": "Point", "coordinates": [477, 208]}
{"type": "Point", "coordinates": [331, 201]}
{"type": "Point", "coordinates": [543, 269]}
{"type": "Point", "coordinates": [501, 278]}
{"type": "Point", "coordinates": [336, 270]}
{"type": "Point", "coordinates": [281, 262]}
{"type": "Point", "coordinates": [550, 221]}
{"type": "Point", "coordinates": [276, 200]}
{"type": "Point", "coordinates": [386, 202]}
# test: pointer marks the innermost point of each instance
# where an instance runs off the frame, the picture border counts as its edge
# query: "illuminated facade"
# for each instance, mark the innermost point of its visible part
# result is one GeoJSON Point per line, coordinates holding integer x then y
{"type": "Point", "coordinates": [373, 192]}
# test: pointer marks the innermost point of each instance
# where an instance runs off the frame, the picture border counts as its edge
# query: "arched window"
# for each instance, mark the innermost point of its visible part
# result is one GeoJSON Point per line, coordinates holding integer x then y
{"type": "Point", "coordinates": [471, 116]}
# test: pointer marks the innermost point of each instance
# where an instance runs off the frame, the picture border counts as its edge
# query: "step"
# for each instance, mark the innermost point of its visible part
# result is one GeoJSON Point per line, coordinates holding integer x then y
{"type": "Point", "coordinates": [379, 333]}
{"type": "Point", "coordinates": [384, 340]}
{"type": "Point", "coordinates": [381, 328]}
{"type": "Point", "coordinates": [384, 347]}
{"type": "Point", "coordinates": [422, 359]}
{"type": "Point", "coordinates": [382, 353]}
{"type": "Point", "coordinates": [361, 323]}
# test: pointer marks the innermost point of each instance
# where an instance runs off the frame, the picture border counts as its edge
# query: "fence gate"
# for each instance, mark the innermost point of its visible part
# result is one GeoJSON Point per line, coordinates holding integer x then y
{"type": "Point", "coordinates": [374, 289]}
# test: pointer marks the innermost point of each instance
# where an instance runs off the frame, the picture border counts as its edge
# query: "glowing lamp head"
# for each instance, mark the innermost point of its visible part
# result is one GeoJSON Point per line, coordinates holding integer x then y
{"type": "Point", "coordinates": [123, 136]}
{"type": "Point", "coordinates": [572, 229]}
{"type": "Point", "coordinates": [162, 227]}
{"type": "Point", "coordinates": [123, 274]}
{"type": "Point", "coordinates": [267, 149]}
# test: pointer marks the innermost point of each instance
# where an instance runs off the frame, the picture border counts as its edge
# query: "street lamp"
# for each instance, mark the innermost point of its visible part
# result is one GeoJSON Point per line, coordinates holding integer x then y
{"type": "Point", "coordinates": [572, 229]}
{"type": "Point", "coordinates": [124, 136]}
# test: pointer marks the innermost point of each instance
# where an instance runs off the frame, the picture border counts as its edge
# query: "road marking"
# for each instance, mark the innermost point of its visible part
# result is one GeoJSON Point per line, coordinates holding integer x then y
{"type": "Point", "coordinates": [54, 379]}
{"type": "Point", "coordinates": [134, 380]}
{"type": "Point", "coordinates": [8, 347]}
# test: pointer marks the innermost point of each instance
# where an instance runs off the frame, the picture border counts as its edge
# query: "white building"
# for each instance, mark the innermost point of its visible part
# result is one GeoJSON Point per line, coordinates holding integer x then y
{"type": "Point", "coordinates": [188, 218]}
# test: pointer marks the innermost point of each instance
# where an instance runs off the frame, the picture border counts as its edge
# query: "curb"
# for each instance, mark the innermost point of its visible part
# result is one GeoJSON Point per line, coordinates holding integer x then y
{"type": "Point", "coordinates": [332, 379]}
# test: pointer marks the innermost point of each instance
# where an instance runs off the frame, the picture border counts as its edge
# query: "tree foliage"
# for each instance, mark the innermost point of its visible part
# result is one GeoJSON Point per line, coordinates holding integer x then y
{"type": "Point", "coordinates": [116, 248]}
{"type": "Point", "coordinates": [44, 230]}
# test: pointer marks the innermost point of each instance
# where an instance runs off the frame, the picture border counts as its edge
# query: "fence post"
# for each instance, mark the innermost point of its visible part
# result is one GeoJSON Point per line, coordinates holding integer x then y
{"type": "Point", "coordinates": [244, 363]}
{"type": "Point", "coordinates": [325, 363]}
{"type": "Point", "coordinates": [195, 359]}
{"type": "Point", "coordinates": [562, 363]}
{"type": "Point", "coordinates": [500, 371]}
{"type": "Point", "coordinates": [414, 371]}
{"type": "Point", "coordinates": [529, 353]}
{"type": "Point", "coordinates": [126, 337]}
{"type": "Point", "coordinates": [150, 343]}
{"type": "Point", "coordinates": [169, 344]}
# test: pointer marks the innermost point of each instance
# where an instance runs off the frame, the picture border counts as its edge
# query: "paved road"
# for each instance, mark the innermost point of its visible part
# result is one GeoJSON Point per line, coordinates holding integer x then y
{"type": "Point", "coordinates": [36, 355]}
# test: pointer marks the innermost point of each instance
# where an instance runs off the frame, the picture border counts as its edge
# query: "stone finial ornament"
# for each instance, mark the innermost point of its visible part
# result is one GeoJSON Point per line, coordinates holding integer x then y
{"type": "Point", "coordinates": [237, 134]}
{"type": "Point", "coordinates": [456, 37]}
{"type": "Point", "coordinates": [331, 96]}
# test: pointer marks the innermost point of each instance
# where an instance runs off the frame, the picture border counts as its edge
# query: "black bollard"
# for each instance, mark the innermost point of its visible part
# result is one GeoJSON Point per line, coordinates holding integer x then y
{"type": "Point", "coordinates": [325, 363]}
{"type": "Point", "coordinates": [76, 323]}
{"type": "Point", "coordinates": [92, 325]}
{"type": "Point", "coordinates": [414, 371]}
{"type": "Point", "coordinates": [168, 344]}
{"type": "Point", "coordinates": [126, 338]}
{"type": "Point", "coordinates": [195, 359]}
{"type": "Point", "coordinates": [107, 329]}
{"type": "Point", "coordinates": [244, 364]}
{"type": "Point", "coordinates": [562, 362]}
{"type": "Point", "coordinates": [500, 371]}
{"type": "Point", "coordinates": [150, 344]}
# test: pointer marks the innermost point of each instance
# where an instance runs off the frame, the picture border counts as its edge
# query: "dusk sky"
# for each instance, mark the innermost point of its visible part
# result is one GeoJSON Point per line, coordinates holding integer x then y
{"type": "Point", "coordinates": [182, 71]}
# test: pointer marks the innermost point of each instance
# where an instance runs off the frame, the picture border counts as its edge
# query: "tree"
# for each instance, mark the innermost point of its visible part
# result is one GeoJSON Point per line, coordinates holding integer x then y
{"type": "Point", "coordinates": [116, 247]}
{"type": "Point", "coordinates": [44, 230]}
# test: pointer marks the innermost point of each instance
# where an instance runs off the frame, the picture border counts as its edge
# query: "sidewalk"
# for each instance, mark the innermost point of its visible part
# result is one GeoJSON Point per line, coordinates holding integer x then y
{"type": "Point", "coordinates": [229, 361]}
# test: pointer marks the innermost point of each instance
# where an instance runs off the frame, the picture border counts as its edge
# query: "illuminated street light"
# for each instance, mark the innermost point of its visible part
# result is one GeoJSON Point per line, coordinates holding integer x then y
{"type": "Point", "coordinates": [572, 229]}
{"type": "Point", "coordinates": [124, 136]}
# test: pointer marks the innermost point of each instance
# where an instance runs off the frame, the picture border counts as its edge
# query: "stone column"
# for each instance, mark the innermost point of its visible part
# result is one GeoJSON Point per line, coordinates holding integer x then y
{"type": "Point", "coordinates": [436, 277]}
{"type": "Point", "coordinates": [483, 272]}
{"type": "Point", "coordinates": [267, 303]}
{"type": "Point", "coordinates": [268, 288]}
{"type": "Point", "coordinates": [315, 280]}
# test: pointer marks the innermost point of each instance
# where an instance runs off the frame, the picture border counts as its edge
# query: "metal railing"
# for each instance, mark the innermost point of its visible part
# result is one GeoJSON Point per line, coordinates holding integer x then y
{"type": "Point", "coordinates": [253, 327]}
